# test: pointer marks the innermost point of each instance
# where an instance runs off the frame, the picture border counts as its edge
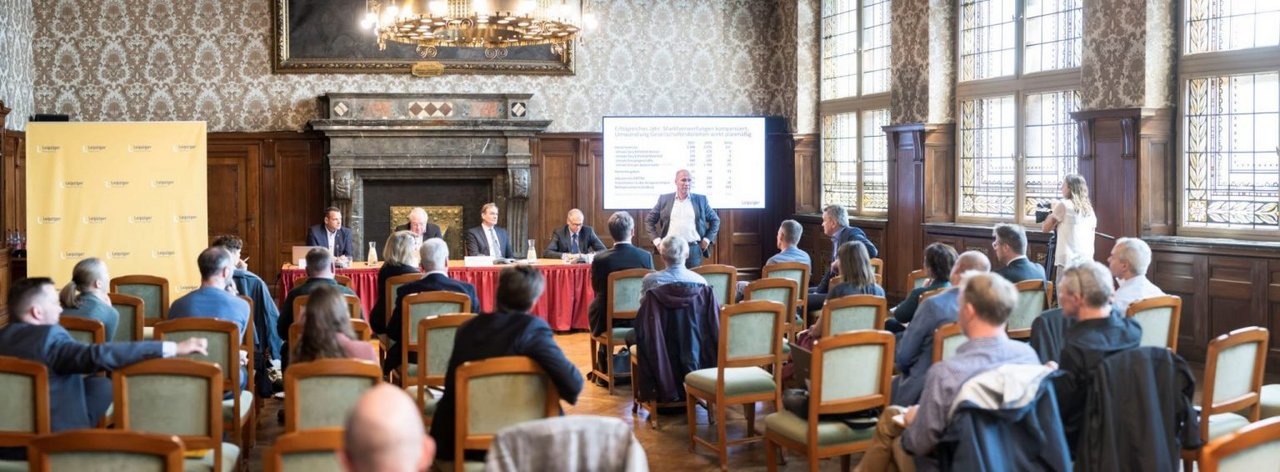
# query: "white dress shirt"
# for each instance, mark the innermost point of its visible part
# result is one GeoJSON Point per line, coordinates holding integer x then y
{"type": "Point", "coordinates": [684, 220]}
{"type": "Point", "coordinates": [1134, 289]}
{"type": "Point", "coordinates": [332, 235]}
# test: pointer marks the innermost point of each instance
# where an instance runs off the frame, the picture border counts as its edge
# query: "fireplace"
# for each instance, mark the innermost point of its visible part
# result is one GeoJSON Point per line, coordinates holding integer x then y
{"type": "Point", "coordinates": [389, 150]}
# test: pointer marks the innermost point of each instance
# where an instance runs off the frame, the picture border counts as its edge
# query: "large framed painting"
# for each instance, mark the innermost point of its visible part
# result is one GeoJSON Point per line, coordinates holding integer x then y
{"type": "Point", "coordinates": [326, 36]}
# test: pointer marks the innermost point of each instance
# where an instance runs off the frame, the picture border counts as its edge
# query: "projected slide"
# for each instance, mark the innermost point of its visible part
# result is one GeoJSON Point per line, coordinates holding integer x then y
{"type": "Point", "coordinates": [724, 154]}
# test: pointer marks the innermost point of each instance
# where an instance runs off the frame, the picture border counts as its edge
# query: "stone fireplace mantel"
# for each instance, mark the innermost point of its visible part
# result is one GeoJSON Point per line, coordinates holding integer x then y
{"type": "Point", "coordinates": [429, 137]}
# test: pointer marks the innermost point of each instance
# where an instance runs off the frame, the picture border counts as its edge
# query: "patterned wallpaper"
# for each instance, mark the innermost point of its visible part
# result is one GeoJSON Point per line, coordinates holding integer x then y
{"type": "Point", "coordinates": [1161, 54]}
{"type": "Point", "coordinates": [210, 60]}
{"type": "Point", "coordinates": [16, 26]}
{"type": "Point", "coordinates": [909, 94]}
{"type": "Point", "coordinates": [1111, 65]}
{"type": "Point", "coordinates": [942, 61]}
{"type": "Point", "coordinates": [807, 61]}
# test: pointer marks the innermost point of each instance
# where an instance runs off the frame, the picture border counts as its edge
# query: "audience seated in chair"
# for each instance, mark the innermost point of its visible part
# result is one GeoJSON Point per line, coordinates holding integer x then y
{"type": "Point", "coordinates": [788, 242]}
{"type": "Point", "coordinates": [509, 331]}
{"type": "Point", "coordinates": [326, 331]}
{"type": "Point", "coordinates": [678, 308]}
{"type": "Point", "coordinates": [385, 434]}
{"type": "Point", "coordinates": [622, 256]}
{"type": "Point", "coordinates": [914, 353]}
{"type": "Point", "coordinates": [215, 297]}
{"type": "Point", "coordinates": [86, 295]}
{"type": "Point", "coordinates": [674, 251]}
{"type": "Point", "coordinates": [1010, 247]}
{"type": "Point", "coordinates": [986, 301]}
{"type": "Point", "coordinates": [319, 274]}
{"type": "Point", "coordinates": [1128, 262]}
{"type": "Point", "coordinates": [938, 259]}
{"type": "Point", "coordinates": [265, 315]}
{"type": "Point", "coordinates": [859, 280]}
{"type": "Point", "coordinates": [835, 224]}
{"type": "Point", "coordinates": [77, 400]}
{"type": "Point", "coordinates": [434, 259]}
{"type": "Point", "coordinates": [1098, 331]}
{"type": "Point", "coordinates": [401, 253]}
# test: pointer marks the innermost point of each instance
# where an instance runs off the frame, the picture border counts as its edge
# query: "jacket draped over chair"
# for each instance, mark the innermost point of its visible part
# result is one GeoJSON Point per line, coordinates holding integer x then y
{"type": "Point", "coordinates": [677, 332]}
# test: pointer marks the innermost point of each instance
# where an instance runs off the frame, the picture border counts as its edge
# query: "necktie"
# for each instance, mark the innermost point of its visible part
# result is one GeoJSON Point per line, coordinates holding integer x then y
{"type": "Point", "coordinates": [573, 244]}
{"type": "Point", "coordinates": [493, 244]}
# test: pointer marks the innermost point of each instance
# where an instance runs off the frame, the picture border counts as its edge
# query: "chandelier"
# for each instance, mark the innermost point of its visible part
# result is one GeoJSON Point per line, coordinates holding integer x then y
{"type": "Point", "coordinates": [490, 24]}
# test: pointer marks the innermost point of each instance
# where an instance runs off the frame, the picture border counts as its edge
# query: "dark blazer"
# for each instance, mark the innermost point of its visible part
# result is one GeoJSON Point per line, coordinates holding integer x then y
{"type": "Point", "coordinates": [477, 242]}
{"type": "Point", "coordinates": [497, 335]}
{"type": "Point", "coordinates": [68, 362]}
{"type": "Point", "coordinates": [623, 256]}
{"type": "Point", "coordinates": [562, 244]}
{"type": "Point", "coordinates": [1022, 269]}
{"type": "Point", "coordinates": [430, 230]}
{"type": "Point", "coordinates": [848, 234]}
{"type": "Point", "coordinates": [431, 283]}
{"type": "Point", "coordinates": [378, 315]}
{"type": "Point", "coordinates": [342, 246]}
{"type": "Point", "coordinates": [705, 219]}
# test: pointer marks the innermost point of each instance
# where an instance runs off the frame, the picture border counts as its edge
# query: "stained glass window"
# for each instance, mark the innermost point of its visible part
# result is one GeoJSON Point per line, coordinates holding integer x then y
{"type": "Point", "coordinates": [1049, 138]}
{"type": "Point", "coordinates": [1224, 25]}
{"type": "Point", "coordinates": [839, 49]}
{"type": "Point", "coordinates": [875, 161]}
{"type": "Point", "coordinates": [1231, 151]}
{"type": "Point", "coordinates": [875, 46]}
{"type": "Point", "coordinates": [1051, 33]}
{"type": "Point", "coordinates": [987, 38]}
{"type": "Point", "coordinates": [840, 159]}
{"type": "Point", "coordinates": [988, 167]}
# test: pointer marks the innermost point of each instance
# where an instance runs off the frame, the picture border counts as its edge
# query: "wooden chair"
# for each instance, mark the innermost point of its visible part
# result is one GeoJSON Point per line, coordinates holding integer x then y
{"type": "Point", "coordinates": [190, 392]}
{"type": "Point", "coordinates": [917, 278]}
{"type": "Point", "coordinates": [1253, 448]}
{"type": "Point", "coordinates": [776, 290]}
{"type": "Point", "coordinates": [524, 391]}
{"type": "Point", "coordinates": [85, 330]}
{"type": "Point", "coordinates": [435, 345]}
{"type": "Point", "coordinates": [798, 272]}
{"type": "Point", "coordinates": [314, 450]}
{"type": "Point", "coordinates": [723, 279]}
{"type": "Point", "coordinates": [154, 292]}
{"type": "Point", "coordinates": [863, 360]}
{"type": "Point", "coordinates": [248, 346]}
{"type": "Point", "coordinates": [224, 346]}
{"type": "Point", "coordinates": [24, 415]}
{"type": "Point", "coordinates": [835, 280]}
{"type": "Point", "coordinates": [1033, 299]}
{"type": "Point", "coordinates": [738, 378]}
{"type": "Point", "coordinates": [877, 266]}
{"type": "Point", "coordinates": [391, 286]}
{"type": "Point", "coordinates": [622, 303]}
{"type": "Point", "coordinates": [1232, 383]}
{"type": "Point", "coordinates": [320, 393]}
{"type": "Point", "coordinates": [415, 308]}
{"type": "Point", "coordinates": [354, 308]}
{"type": "Point", "coordinates": [106, 450]}
{"type": "Point", "coordinates": [342, 280]}
{"type": "Point", "coordinates": [132, 317]}
{"type": "Point", "coordinates": [930, 294]}
{"type": "Point", "coordinates": [853, 313]}
{"type": "Point", "coordinates": [946, 339]}
{"type": "Point", "coordinates": [1159, 318]}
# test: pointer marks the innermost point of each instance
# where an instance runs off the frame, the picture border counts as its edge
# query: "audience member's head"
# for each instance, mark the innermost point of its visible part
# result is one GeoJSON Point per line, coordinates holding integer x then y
{"type": "Point", "coordinates": [384, 433]}
{"type": "Point", "coordinates": [325, 316]}
{"type": "Point", "coordinates": [834, 219]}
{"type": "Point", "coordinates": [574, 220]}
{"type": "Point", "coordinates": [229, 243]}
{"type": "Point", "coordinates": [1084, 290]}
{"type": "Point", "coordinates": [621, 226]}
{"type": "Point", "coordinates": [434, 255]}
{"type": "Point", "coordinates": [939, 259]}
{"type": "Point", "coordinates": [88, 276]}
{"type": "Point", "coordinates": [1129, 258]}
{"type": "Point", "coordinates": [489, 214]}
{"type": "Point", "coordinates": [674, 250]}
{"type": "Point", "coordinates": [216, 265]}
{"type": "Point", "coordinates": [789, 234]}
{"type": "Point", "coordinates": [684, 183]}
{"type": "Point", "coordinates": [1010, 242]}
{"type": "Point", "coordinates": [519, 287]}
{"type": "Point", "coordinates": [417, 220]}
{"type": "Point", "coordinates": [1076, 189]}
{"type": "Point", "coordinates": [985, 299]}
{"type": "Point", "coordinates": [855, 264]}
{"type": "Point", "coordinates": [401, 249]}
{"type": "Point", "coordinates": [969, 261]}
{"type": "Point", "coordinates": [332, 218]}
{"type": "Point", "coordinates": [320, 263]}
{"type": "Point", "coordinates": [34, 301]}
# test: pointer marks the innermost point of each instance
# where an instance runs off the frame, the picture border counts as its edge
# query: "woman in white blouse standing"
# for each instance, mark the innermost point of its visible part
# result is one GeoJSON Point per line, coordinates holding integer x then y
{"type": "Point", "coordinates": [1074, 220]}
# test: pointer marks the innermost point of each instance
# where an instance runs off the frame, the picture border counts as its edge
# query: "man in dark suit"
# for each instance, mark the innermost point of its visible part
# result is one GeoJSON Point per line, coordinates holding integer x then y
{"type": "Point", "coordinates": [332, 235]}
{"type": "Point", "coordinates": [1010, 246]}
{"type": "Point", "coordinates": [434, 260]}
{"type": "Point", "coordinates": [687, 215]}
{"type": "Point", "coordinates": [418, 224]}
{"type": "Point", "coordinates": [835, 224]}
{"type": "Point", "coordinates": [488, 239]}
{"type": "Point", "coordinates": [623, 256]}
{"type": "Point", "coordinates": [573, 238]}
{"type": "Point", "coordinates": [77, 400]}
{"type": "Point", "coordinates": [510, 331]}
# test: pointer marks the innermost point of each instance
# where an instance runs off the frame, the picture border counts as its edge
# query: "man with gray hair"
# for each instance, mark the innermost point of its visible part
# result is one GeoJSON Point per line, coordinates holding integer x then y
{"type": "Point", "coordinates": [788, 241]}
{"type": "Point", "coordinates": [1128, 262]}
{"type": "Point", "coordinates": [1010, 246]}
{"type": "Point", "coordinates": [384, 434]}
{"type": "Point", "coordinates": [622, 256]}
{"type": "Point", "coordinates": [419, 226]}
{"type": "Point", "coordinates": [674, 250]}
{"type": "Point", "coordinates": [434, 259]}
{"type": "Point", "coordinates": [573, 239]}
{"type": "Point", "coordinates": [835, 224]}
{"type": "Point", "coordinates": [1098, 331]}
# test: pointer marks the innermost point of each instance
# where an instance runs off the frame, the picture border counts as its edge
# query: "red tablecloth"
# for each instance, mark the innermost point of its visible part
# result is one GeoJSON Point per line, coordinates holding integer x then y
{"type": "Point", "coordinates": [563, 304]}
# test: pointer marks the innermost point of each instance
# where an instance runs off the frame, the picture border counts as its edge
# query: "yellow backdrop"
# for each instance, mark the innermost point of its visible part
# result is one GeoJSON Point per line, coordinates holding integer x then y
{"type": "Point", "coordinates": [132, 194]}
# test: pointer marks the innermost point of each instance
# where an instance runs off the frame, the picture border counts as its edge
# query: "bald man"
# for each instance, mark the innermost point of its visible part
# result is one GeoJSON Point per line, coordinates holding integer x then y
{"type": "Point", "coordinates": [384, 434]}
{"type": "Point", "coordinates": [573, 239]}
{"type": "Point", "coordinates": [685, 214]}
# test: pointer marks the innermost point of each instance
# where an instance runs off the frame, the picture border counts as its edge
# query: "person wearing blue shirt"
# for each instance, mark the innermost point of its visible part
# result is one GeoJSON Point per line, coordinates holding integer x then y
{"type": "Point", "coordinates": [788, 241]}
{"type": "Point", "coordinates": [86, 295]}
{"type": "Point", "coordinates": [212, 299]}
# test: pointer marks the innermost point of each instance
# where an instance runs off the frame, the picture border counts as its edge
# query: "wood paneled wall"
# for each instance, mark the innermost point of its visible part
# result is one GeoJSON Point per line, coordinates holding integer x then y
{"type": "Point", "coordinates": [13, 207]}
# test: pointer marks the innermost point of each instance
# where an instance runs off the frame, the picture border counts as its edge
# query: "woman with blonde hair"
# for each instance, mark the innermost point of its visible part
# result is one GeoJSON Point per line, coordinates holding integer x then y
{"type": "Point", "coordinates": [858, 278]}
{"type": "Point", "coordinates": [401, 252]}
{"type": "Point", "coordinates": [86, 295]}
{"type": "Point", "coordinates": [326, 330]}
{"type": "Point", "coordinates": [1074, 221]}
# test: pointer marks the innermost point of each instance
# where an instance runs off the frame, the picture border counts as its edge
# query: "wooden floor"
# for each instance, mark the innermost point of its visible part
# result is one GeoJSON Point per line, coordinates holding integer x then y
{"type": "Point", "coordinates": [666, 448]}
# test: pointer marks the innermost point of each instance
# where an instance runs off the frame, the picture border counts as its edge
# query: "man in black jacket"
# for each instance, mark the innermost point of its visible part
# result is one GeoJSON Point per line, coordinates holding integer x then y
{"type": "Point", "coordinates": [1010, 247]}
{"type": "Point", "coordinates": [510, 331]}
{"type": "Point", "coordinates": [573, 238]}
{"type": "Point", "coordinates": [419, 226]}
{"type": "Point", "coordinates": [623, 256]}
{"type": "Point", "coordinates": [835, 224]}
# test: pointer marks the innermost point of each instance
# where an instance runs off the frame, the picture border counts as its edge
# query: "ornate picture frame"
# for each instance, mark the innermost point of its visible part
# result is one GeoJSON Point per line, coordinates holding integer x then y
{"type": "Point", "coordinates": [325, 37]}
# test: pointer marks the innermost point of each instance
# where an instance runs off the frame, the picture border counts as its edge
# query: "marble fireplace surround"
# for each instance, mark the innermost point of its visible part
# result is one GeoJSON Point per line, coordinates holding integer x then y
{"type": "Point", "coordinates": [429, 137]}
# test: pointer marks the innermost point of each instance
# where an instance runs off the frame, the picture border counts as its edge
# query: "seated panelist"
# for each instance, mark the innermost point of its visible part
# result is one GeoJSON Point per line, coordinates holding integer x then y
{"type": "Point", "coordinates": [573, 238]}
{"type": "Point", "coordinates": [419, 225]}
{"type": "Point", "coordinates": [488, 239]}
{"type": "Point", "coordinates": [332, 236]}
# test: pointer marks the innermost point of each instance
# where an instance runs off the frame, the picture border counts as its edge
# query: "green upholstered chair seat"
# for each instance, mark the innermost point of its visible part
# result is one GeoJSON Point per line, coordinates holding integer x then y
{"type": "Point", "coordinates": [412, 369]}
{"type": "Point", "coordinates": [311, 461]}
{"type": "Point", "coordinates": [830, 433]}
{"type": "Point", "coordinates": [105, 461]}
{"type": "Point", "coordinates": [230, 454]}
{"type": "Point", "coordinates": [1270, 401]}
{"type": "Point", "coordinates": [1261, 457]}
{"type": "Point", "coordinates": [228, 405]}
{"type": "Point", "coordinates": [1224, 423]}
{"type": "Point", "coordinates": [737, 381]}
{"type": "Point", "coordinates": [468, 466]}
{"type": "Point", "coordinates": [14, 466]}
{"type": "Point", "coordinates": [620, 334]}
